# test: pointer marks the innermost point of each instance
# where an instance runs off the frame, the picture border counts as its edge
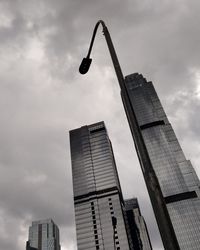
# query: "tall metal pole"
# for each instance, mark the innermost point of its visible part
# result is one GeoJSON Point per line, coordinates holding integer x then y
{"type": "Point", "coordinates": [158, 203]}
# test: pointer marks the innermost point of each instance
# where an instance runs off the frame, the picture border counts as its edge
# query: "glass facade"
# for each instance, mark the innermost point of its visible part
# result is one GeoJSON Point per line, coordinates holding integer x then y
{"type": "Point", "coordinates": [97, 194]}
{"type": "Point", "coordinates": [137, 229]}
{"type": "Point", "coordinates": [101, 219]}
{"type": "Point", "coordinates": [177, 178]}
{"type": "Point", "coordinates": [44, 235]}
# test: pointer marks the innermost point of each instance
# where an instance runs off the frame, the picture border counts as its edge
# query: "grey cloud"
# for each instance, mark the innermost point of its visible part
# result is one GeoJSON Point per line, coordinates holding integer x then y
{"type": "Point", "coordinates": [41, 100]}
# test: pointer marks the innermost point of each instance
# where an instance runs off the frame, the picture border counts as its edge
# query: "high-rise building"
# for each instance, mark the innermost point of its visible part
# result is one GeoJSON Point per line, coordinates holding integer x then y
{"type": "Point", "coordinates": [178, 182]}
{"type": "Point", "coordinates": [137, 229]}
{"type": "Point", "coordinates": [97, 192]}
{"type": "Point", "coordinates": [43, 235]}
{"type": "Point", "coordinates": [98, 201]}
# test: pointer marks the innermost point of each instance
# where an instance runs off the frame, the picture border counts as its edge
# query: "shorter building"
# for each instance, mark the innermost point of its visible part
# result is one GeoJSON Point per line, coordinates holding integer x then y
{"type": "Point", "coordinates": [101, 220]}
{"type": "Point", "coordinates": [43, 235]}
{"type": "Point", "coordinates": [136, 226]}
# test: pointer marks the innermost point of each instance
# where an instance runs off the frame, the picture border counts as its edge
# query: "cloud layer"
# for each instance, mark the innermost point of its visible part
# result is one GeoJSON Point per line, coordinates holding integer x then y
{"type": "Point", "coordinates": [42, 97]}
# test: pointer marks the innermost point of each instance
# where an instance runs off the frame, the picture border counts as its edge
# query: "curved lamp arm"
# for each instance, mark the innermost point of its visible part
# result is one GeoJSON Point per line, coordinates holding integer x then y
{"type": "Point", "coordinates": [94, 34]}
{"type": "Point", "coordinates": [85, 64]}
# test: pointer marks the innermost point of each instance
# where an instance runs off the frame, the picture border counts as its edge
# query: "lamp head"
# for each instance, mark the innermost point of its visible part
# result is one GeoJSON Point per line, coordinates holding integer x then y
{"type": "Point", "coordinates": [85, 65]}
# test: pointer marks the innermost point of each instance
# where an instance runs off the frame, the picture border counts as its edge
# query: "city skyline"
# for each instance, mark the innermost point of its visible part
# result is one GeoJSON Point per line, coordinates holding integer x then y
{"type": "Point", "coordinates": [43, 96]}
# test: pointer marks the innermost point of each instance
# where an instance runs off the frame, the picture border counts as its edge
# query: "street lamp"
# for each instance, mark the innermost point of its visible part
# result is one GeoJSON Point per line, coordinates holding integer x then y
{"type": "Point", "coordinates": [85, 64]}
{"type": "Point", "coordinates": [158, 203]}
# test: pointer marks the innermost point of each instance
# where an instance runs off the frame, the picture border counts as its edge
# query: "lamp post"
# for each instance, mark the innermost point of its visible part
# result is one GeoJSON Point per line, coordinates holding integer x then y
{"type": "Point", "coordinates": [158, 203]}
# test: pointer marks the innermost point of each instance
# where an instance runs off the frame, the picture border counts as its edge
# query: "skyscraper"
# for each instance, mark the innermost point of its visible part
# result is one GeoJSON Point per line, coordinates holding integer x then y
{"type": "Point", "coordinates": [177, 179]}
{"type": "Point", "coordinates": [97, 192]}
{"type": "Point", "coordinates": [98, 201]}
{"type": "Point", "coordinates": [137, 229]}
{"type": "Point", "coordinates": [43, 235]}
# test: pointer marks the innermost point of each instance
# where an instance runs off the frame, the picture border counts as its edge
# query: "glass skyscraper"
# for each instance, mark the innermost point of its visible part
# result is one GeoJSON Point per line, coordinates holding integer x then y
{"type": "Point", "coordinates": [98, 201]}
{"type": "Point", "coordinates": [43, 235]}
{"type": "Point", "coordinates": [137, 229]}
{"type": "Point", "coordinates": [177, 179]}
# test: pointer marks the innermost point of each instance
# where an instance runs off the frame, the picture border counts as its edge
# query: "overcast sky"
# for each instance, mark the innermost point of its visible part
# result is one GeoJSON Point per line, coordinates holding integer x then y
{"type": "Point", "coordinates": [42, 97]}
